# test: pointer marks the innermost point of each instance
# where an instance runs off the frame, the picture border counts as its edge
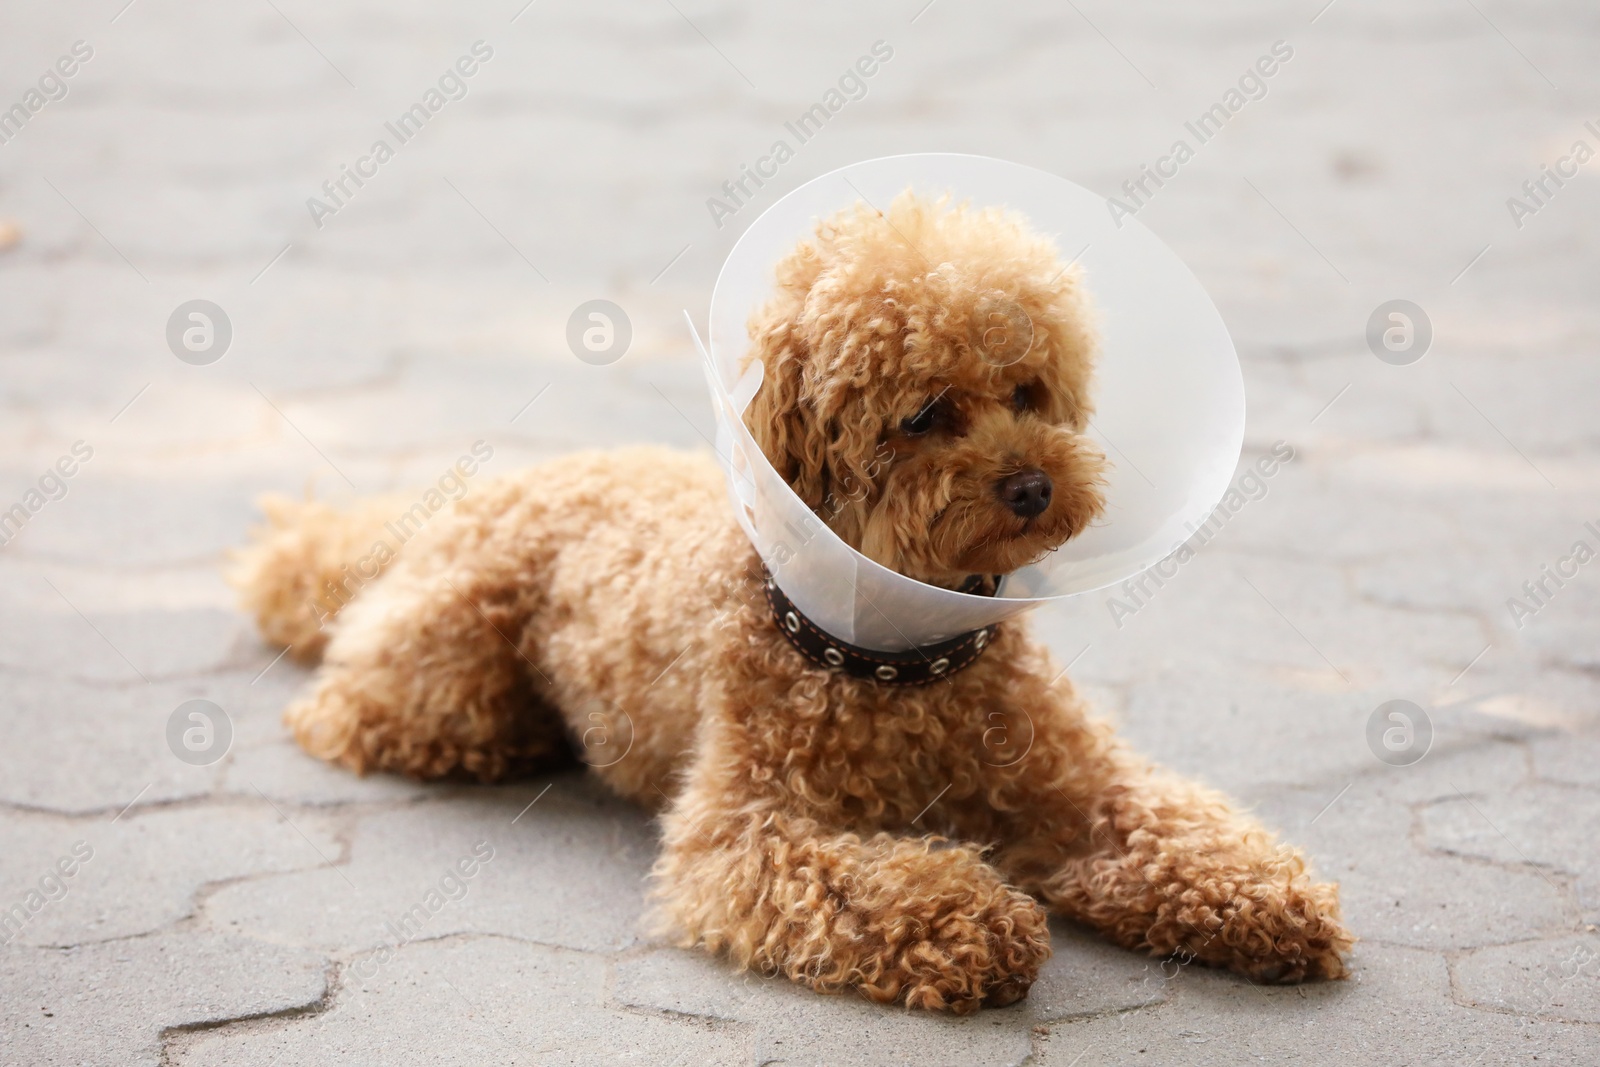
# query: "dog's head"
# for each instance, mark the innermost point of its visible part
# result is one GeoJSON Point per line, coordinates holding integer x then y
{"type": "Point", "coordinates": [926, 388]}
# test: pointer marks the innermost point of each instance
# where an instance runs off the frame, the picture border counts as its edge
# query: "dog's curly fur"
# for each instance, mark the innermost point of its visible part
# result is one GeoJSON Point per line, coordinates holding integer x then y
{"type": "Point", "coordinates": [902, 841]}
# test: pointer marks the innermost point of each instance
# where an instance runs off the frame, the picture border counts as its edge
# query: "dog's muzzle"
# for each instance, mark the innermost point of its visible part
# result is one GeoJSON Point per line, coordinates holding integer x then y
{"type": "Point", "coordinates": [920, 665]}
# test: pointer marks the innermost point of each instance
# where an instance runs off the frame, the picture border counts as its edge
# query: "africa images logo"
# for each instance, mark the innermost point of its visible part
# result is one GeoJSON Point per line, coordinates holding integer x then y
{"type": "Point", "coordinates": [1251, 86]}
{"type": "Point", "coordinates": [452, 85]}
{"type": "Point", "coordinates": [52, 86]}
{"type": "Point", "coordinates": [852, 86]}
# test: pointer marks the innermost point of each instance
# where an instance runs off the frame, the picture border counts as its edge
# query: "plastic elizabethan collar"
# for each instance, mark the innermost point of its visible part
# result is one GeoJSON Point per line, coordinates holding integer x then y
{"type": "Point", "coordinates": [1168, 394]}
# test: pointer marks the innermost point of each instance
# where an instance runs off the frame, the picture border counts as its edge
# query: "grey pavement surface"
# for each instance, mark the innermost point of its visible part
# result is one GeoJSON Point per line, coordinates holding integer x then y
{"type": "Point", "coordinates": [244, 910]}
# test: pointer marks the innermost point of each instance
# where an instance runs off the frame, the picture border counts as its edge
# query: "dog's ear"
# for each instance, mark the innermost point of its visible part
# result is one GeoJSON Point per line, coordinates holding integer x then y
{"type": "Point", "coordinates": [782, 417]}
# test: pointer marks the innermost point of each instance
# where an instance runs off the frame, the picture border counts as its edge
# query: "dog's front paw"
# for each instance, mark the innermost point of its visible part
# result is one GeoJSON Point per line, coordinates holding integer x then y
{"type": "Point", "coordinates": [1296, 935]}
{"type": "Point", "coordinates": [1279, 933]}
{"type": "Point", "coordinates": [982, 956]}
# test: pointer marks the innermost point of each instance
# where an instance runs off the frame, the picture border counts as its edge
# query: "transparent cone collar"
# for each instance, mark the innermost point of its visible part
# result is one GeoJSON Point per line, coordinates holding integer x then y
{"type": "Point", "coordinates": [1168, 393]}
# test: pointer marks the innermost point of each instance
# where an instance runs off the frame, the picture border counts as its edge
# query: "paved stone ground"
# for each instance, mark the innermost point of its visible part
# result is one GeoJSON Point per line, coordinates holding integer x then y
{"type": "Point", "coordinates": [236, 912]}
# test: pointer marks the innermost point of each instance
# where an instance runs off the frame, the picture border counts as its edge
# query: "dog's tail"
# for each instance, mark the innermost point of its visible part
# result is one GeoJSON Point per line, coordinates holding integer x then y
{"type": "Point", "coordinates": [308, 561]}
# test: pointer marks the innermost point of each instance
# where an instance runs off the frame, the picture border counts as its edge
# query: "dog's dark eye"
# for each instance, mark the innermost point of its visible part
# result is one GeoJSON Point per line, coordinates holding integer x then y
{"type": "Point", "coordinates": [1022, 398]}
{"type": "Point", "coordinates": [922, 421]}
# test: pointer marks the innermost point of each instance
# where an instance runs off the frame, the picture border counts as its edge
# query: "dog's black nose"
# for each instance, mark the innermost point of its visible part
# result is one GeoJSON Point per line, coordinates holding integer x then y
{"type": "Point", "coordinates": [1026, 492]}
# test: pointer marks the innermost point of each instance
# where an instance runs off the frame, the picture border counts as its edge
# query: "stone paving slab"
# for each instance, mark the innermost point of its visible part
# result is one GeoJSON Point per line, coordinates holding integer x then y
{"type": "Point", "coordinates": [1574, 760]}
{"type": "Point", "coordinates": [144, 871]}
{"type": "Point", "coordinates": [1398, 1011]}
{"type": "Point", "coordinates": [278, 769]}
{"type": "Point", "coordinates": [469, 1001]}
{"type": "Point", "coordinates": [1556, 979]}
{"type": "Point", "coordinates": [1084, 977]}
{"type": "Point", "coordinates": [1396, 892]}
{"type": "Point", "coordinates": [591, 899]}
{"type": "Point", "coordinates": [794, 1026]}
{"type": "Point", "coordinates": [118, 1002]}
{"type": "Point", "coordinates": [114, 737]}
{"type": "Point", "coordinates": [1522, 826]}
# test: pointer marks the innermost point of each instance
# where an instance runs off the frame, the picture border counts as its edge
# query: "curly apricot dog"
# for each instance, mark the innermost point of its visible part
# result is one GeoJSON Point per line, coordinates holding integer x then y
{"type": "Point", "coordinates": [903, 840]}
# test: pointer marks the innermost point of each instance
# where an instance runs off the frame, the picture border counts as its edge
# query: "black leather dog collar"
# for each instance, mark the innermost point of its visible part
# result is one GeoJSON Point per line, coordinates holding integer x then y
{"type": "Point", "coordinates": [915, 666]}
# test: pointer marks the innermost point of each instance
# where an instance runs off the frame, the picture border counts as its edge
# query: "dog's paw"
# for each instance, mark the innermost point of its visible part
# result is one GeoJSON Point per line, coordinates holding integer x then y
{"type": "Point", "coordinates": [327, 723]}
{"type": "Point", "coordinates": [1283, 934]}
{"type": "Point", "coordinates": [1312, 941]}
{"type": "Point", "coordinates": [985, 957]}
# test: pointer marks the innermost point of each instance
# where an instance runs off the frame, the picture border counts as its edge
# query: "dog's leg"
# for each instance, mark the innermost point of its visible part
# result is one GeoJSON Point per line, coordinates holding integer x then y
{"type": "Point", "coordinates": [1159, 863]}
{"type": "Point", "coordinates": [898, 918]}
{"type": "Point", "coordinates": [422, 678]}
{"type": "Point", "coordinates": [1171, 867]}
